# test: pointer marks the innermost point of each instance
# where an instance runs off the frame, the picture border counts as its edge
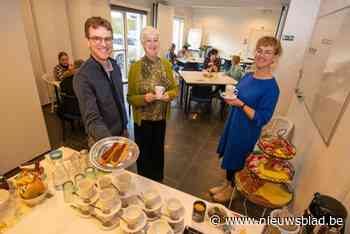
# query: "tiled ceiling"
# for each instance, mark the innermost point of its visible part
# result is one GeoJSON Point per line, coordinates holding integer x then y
{"type": "Point", "coordinates": [265, 4]}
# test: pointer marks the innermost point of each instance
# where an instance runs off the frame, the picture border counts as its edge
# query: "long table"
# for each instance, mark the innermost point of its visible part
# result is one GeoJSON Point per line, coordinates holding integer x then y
{"type": "Point", "coordinates": [196, 78]}
{"type": "Point", "coordinates": [53, 216]}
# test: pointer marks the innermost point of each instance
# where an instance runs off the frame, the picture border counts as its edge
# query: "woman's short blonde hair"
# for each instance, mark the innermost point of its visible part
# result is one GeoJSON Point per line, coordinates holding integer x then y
{"type": "Point", "coordinates": [236, 59]}
{"type": "Point", "coordinates": [147, 31]}
{"type": "Point", "coordinates": [270, 41]}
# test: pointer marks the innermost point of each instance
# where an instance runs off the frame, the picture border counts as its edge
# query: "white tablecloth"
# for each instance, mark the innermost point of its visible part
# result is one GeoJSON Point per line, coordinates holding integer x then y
{"type": "Point", "coordinates": [53, 216]}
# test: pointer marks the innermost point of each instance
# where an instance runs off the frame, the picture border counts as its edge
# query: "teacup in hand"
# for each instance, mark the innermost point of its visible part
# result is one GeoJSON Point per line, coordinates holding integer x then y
{"type": "Point", "coordinates": [159, 90]}
{"type": "Point", "coordinates": [174, 208]}
{"type": "Point", "coordinates": [231, 91]}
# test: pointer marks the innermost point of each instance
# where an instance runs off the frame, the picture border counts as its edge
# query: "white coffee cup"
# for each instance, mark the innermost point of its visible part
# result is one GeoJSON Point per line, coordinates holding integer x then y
{"type": "Point", "coordinates": [132, 215]}
{"type": "Point", "coordinates": [174, 208]}
{"type": "Point", "coordinates": [108, 199]}
{"type": "Point", "coordinates": [159, 90]}
{"type": "Point", "coordinates": [86, 188]}
{"type": "Point", "coordinates": [231, 91]}
{"type": "Point", "coordinates": [151, 198]}
{"type": "Point", "coordinates": [123, 182]}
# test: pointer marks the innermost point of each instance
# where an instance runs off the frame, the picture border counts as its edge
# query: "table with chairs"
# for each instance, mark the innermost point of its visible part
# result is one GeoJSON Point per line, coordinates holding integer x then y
{"type": "Point", "coordinates": [193, 79]}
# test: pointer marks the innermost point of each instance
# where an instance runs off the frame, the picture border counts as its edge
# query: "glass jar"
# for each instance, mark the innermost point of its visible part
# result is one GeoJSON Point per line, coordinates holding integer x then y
{"type": "Point", "coordinates": [59, 172]}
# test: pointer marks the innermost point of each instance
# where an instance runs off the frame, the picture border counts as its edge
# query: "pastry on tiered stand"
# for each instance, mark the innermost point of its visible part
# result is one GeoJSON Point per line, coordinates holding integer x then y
{"type": "Point", "coordinates": [262, 192]}
{"type": "Point", "coordinates": [276, 146]}
{"type": "Point", "coordinates": [266, 176]}
{"type": "Point", "coordinates": [270, 168]}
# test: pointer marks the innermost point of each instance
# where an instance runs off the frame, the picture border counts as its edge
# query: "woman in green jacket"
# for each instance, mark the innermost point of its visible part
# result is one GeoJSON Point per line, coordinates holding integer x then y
{"type": "Point", "coordinates": [150, 111]}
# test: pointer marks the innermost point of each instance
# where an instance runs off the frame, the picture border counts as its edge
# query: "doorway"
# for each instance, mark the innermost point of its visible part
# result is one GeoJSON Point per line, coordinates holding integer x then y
{"type": "Point", "coordinates": [127, 48]}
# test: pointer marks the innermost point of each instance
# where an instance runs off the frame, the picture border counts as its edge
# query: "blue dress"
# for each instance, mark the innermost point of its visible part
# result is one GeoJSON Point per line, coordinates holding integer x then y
{"type": "Point", "coordinates": [241, 134]}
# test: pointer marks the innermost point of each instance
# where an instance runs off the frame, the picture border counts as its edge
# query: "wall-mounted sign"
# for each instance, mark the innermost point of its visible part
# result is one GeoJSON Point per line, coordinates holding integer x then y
{"type": "Point", "coordinates": [288, 37]}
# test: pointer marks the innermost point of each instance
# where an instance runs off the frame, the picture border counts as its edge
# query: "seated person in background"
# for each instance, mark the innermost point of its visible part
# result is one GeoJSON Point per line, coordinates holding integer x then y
{"type": "Point", "coordinates": [63, 69]}
{"type": "Point", "coordinates": [66, 86]}
{"type": "Point", "coordinates": [235, 71]}
{"type": "Point", "coordinates": [212, 62]}
{"type": "Point", "coordinates": [170, 55]}
{"type": "Point", "coordinates": [184, 52]}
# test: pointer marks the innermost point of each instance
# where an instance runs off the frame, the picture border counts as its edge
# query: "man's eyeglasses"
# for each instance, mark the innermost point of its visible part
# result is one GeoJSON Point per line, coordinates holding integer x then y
{"type": "Point", "coordinates": [99, 40]}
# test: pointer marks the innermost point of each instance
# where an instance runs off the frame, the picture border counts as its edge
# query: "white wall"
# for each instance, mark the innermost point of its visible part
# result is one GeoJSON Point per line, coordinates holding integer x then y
{"type": "Point", "coordinates": [51, 21]}
{"type": "Point", "coordinates": [23, 133]}
{"type": "Point", "coordinates": [319, 168]}
{"type": "Point", "coordinates": [34, 49]}
{"type": "Point", "coordinates": [293, 51]}
{"type": "Point", "coordinates": [165, 27]}
{"type": "Point", "coordinates": [78, 12]}
{"type": "Point", "coordinates": [226, 28]}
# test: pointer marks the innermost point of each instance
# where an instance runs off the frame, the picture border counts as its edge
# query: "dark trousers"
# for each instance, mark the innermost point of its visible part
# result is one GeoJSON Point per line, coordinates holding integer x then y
{"type": "Point", "coordinates": [149, 137]}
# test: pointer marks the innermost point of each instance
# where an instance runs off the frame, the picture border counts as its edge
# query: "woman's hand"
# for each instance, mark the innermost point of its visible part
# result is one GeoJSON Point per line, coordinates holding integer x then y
{"type": "Point", "coordinates": [149, 97]}
{"type": "Point", "coordinates": [165, 98]}
{"type": "Point", "coordinates": [234, 102]}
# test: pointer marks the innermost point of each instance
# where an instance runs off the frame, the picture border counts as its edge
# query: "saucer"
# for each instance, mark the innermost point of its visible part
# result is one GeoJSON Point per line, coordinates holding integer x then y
{"type": "Point", "coordinates": [80, 202]}
{"type": "Point", "coordinates": [81, 215]}
{"type": "Point", "coordinates": [108, 228]}
{"type": "Point", "coordinates": [114, 210]}
{"type": "Point", "coordinates": [173, 221]}
{"type": "Point", "coordinates": [224, 96]}
{"type": "Point", "coordinates": [139, 227]}
{"type": "Point", "coordinates": [115, 224]}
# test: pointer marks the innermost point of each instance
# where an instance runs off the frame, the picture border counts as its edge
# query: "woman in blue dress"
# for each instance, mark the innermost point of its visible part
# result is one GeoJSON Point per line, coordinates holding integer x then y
{"type": "Point", "coordinates": [258, 94]}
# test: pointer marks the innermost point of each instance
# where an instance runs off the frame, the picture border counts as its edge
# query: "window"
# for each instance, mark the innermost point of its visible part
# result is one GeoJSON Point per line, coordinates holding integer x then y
{"type": "Point", "coordinates": [128, 48]}
{"type": "Point", "coordinates": [178, 28]}
{"type": "Point", "coordinates": [194, 38]}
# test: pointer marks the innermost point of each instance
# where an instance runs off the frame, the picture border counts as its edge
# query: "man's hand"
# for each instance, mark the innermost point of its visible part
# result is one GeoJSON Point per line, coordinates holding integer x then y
{"type": "Point", "coordinates": [149, 97]}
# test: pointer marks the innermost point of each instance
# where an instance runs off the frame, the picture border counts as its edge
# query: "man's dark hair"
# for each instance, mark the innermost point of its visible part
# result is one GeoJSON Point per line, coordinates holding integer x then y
{"type": "Point", "coordinates": [96, 22]}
